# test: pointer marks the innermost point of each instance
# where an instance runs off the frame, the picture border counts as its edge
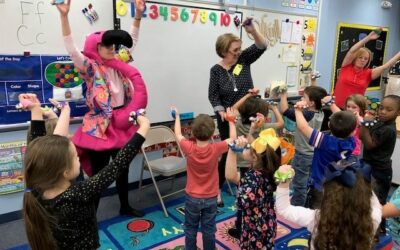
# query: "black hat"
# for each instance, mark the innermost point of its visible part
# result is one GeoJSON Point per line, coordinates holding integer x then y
{"type": "Point", "coordinates": [117, 37]}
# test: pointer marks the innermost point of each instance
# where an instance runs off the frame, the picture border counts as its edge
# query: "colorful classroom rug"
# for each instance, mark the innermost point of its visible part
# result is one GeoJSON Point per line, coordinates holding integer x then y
{"type": "Point", "coordinates": [155, 231]}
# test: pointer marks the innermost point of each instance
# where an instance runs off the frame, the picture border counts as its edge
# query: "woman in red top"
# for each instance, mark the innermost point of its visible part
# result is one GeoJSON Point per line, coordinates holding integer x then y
{"type": "Point", "coordinates": [355, 75]}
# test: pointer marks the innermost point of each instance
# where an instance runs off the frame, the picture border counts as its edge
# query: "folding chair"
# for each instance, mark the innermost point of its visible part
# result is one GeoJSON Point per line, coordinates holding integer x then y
{"type": "Point", "coordinates": [167, 166]}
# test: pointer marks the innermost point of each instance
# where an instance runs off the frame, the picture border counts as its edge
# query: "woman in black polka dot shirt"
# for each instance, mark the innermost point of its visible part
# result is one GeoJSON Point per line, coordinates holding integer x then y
{"type": "Point", "coordinates": [230, 78]}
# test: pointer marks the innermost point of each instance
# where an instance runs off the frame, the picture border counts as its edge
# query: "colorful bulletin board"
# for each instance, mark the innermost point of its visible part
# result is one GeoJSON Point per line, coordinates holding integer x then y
{"type": "Point", "coordinates": [307, 51]}
{"type": "Point", "coordinates": [11, 170]}
{"type": "Point", "coordinates": [45, 76]}
{"type": "Point", "coordinates": [348, 35]}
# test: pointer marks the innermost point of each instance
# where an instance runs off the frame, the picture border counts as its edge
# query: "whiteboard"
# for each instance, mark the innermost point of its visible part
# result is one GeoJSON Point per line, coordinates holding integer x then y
{"type": "Point", "coordinates": [271, 65]}
{"type": "Point", "coordinates": [34, 25]}
{"type": "Point", "coordinates": [175, 58]}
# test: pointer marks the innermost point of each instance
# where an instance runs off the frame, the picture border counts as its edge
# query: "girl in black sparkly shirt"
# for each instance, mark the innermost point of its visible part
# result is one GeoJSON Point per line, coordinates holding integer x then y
{"type": "Point", "coordinates": [58, 213]}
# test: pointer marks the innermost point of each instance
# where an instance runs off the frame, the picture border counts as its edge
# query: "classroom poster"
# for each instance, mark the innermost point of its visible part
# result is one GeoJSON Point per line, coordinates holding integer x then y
{"type": "Point", "coordinates": [11, 168]}
{"type": "Point", "coordinates": [45, 76]}
{"type": "Point", "coordinates": [307, 51]}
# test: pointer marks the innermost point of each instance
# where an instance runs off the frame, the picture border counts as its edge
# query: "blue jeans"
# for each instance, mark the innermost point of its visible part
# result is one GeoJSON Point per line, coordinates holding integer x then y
{"type": "Point", "coordinates": [302, 167]}
{"type": "Point", "coordinates": [200, 210]}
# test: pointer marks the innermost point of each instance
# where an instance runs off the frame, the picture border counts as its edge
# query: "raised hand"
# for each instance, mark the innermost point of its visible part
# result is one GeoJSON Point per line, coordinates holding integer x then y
{"type": "Point", "coordinates": [28, 101]}
{"type": "Point", "coordinates": [254, 91]}
{"type": "Point", "coordinates": [230, 115]}
{"type": "Point", "coordinates": [301, 105]}
{"type": "Point", "coordinates": [142, 120]}
{"type": "Point", "coordinates": [257, 122]}
{"type": "Point", "coordinates": [174, 112]}
{"type": "Point", "coordinates": [140, 5]}
{"type": "Point", "coordinates": [326, 99]}
{"type": "Point", "coordinates": [64, 8]}
{"type": "Point", "coordinates": [248, 25]}
{"type": "Point", "coordinates": [373, 35]}
{"type": "Point", "coordinates": [238, 145]}
{"type": "Point", "coordinates": [284, 174]}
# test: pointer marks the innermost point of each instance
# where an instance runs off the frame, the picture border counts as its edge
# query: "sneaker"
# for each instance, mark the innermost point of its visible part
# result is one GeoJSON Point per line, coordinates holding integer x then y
{"type": "Point", "coordinates": [234, 232]}
{"type": "Point", "coordinates": [131, 212]}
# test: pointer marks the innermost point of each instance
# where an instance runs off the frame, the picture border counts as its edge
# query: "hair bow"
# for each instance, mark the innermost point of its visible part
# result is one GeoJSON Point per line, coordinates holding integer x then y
{"type": "Point", "coordinates": [345, 171]}
{"type": "Point", "coordinates": [266, 137]}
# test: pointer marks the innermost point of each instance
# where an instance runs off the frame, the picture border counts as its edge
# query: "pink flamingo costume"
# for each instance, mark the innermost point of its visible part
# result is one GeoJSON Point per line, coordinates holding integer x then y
{"type": "Point", "coordinates": [105, 127]}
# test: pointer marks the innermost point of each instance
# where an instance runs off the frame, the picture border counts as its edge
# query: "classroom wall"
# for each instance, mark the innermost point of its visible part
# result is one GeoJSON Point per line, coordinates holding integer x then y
{"type": "Point", "coordinates": [367, 12]}
{"type": "Point", "coordinates": [351, 11]}
{"type": "Point", "coordinates": [13, 202]}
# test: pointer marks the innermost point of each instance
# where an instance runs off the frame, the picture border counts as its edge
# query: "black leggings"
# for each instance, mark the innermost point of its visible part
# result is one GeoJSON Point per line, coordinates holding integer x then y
{"type": "Point", "coordinates": [223, 128]}
{"type": "Point", "coordinates": [100, 159]}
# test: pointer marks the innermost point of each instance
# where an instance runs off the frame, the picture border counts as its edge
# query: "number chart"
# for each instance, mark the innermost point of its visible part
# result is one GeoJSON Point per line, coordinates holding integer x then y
{"type": "Point", "coordinates": [185, 14]}
{"type": "Point", "coordinates": [175, 52]}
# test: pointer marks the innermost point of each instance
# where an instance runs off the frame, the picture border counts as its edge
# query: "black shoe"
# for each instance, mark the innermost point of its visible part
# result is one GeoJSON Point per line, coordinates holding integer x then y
{"type": "Point", "coordinates": [220, 203]}
{"type": "Point", "coordinates": [131, 212]}
{"type": "Point", "coordinates": [234, 232]}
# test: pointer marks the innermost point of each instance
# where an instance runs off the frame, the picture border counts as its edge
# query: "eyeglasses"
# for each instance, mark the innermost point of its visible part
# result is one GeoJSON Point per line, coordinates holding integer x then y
{"type": "Point", "coordinates": [111, 46]}
{"type": "Point", "coordinates": [236, 51]}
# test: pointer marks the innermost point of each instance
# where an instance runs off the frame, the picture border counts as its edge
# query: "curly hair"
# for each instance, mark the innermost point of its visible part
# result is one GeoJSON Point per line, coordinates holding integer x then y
{"type": "Point", "coordinates": [344, 220]}
{"type": "Point", "coordinates": [203, 127]}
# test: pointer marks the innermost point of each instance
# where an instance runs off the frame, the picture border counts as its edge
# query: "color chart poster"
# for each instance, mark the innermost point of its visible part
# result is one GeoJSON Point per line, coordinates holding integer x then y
{"type": "Point", "coordinates": [11, 168]}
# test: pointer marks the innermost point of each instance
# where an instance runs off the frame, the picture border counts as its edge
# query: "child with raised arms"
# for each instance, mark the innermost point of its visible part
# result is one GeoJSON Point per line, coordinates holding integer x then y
{"type": "Point", "coordinates": [379, 141]}
{"type": "Point", "coordinates": [59, 213]}
{"type": "Point", "coordinates": [302, 160]}
{"type": "Point", "coordinates": [255, 189]}
{"type": "Point", "coordinates": [349, 214]}
{"type": "Point", "coordinates": [202, 178]}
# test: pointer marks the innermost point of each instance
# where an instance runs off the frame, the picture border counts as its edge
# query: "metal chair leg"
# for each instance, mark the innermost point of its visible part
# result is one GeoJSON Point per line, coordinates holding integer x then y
{"type": "Point", "coordinates": [158, 193]}
{"type": "Point", "coordinates": [230, 188]}
{"type": "Point", "coordinates": [141, 176]}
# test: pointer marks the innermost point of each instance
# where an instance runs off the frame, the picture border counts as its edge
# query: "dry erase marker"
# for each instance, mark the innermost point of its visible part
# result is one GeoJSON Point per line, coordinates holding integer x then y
{"type": "Point", "coordinates": [93, 12]}
{"type": "Point", "coordinates": [247, 22]}
{"type": "Point", "coordinates": [87, 16]}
